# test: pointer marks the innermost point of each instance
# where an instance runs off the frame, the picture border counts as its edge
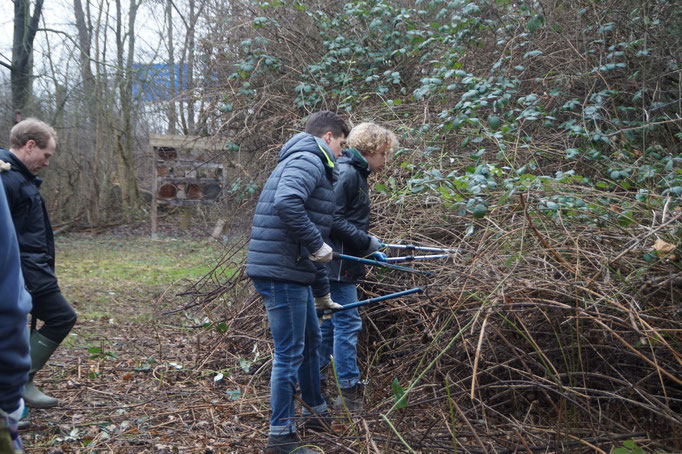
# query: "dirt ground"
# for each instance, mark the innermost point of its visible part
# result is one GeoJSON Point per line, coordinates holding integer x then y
{"type": "Point", "coordinates": [131, 379]}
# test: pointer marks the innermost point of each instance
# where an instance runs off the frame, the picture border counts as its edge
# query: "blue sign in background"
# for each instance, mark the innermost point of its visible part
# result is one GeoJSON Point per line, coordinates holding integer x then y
{"type": "Point", "coordinates": [151, 81]}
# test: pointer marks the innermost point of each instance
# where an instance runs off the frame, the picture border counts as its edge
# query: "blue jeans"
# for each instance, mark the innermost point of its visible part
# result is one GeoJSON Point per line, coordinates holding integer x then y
{"type": "Point", "coordinates": [340, 335]}
{"type": "Point", "coordinates": [296, 334]}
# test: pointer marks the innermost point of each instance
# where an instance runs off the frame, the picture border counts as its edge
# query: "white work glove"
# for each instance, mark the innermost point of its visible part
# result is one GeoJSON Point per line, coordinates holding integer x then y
{"type": "Point", "coordinates": [322, 255]}
{"type": "Point", "coordinates": [374, 244]}
{"type": "Point", "coordinates": [16, 414]}
{"type": "Point", "coordinates": [325, 302]}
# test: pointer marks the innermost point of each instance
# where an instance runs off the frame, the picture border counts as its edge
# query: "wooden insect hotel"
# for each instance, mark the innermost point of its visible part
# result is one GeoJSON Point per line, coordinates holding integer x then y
{"type": "Point", "coordinates": [187, 171]}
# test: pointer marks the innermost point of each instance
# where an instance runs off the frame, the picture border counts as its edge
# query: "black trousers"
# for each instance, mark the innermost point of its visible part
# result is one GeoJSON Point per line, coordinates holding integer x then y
{"type": "Point", "coordinates": [56, 313]}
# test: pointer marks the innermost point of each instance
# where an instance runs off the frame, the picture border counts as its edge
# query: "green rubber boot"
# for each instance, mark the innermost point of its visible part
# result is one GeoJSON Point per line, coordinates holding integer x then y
{"type": "Point", "coordinates": [41, 350]}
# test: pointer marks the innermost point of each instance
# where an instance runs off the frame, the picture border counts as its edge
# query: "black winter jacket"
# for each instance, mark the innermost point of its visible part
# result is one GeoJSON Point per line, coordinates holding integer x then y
{"type": "Point", "coordinates": [32, 225]}
{"type": "Point", "coordinates": [294, 216]}
{"type": "Point", "coordinates": [351, 218]}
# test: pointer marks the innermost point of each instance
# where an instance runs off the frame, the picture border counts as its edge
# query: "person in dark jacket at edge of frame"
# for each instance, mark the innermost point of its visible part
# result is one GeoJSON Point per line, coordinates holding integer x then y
{"type": "Point", "coordinates": [15, 304]}
{"type": "Point", "coordinates": [32, 144]}
{"type": "Point", "coordinates": [370, 145]}
{"type": "Point", "coordinates": [285, 261]}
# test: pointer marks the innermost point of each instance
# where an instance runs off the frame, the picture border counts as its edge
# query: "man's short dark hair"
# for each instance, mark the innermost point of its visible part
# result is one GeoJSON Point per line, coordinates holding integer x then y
{"type": "Point", "coordinates": [321, 122]}
{"type": "Point", "coordinates": [31, 129]}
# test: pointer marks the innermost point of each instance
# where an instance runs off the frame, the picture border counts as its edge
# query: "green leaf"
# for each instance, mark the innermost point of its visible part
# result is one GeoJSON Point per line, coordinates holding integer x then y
{"type": "Point", "coordinates": [649, 257]}
{"type": "Point", "coordinates": [479, 211]}
{"type": "Point", "coordinates": [222, 327]}
{"type": "Point", "coordinates": [94, 350]}
{"type": "Point", "coordinates": [399, 394]}
{"type": "Point", "coordinates": [532, 53]}
{"type": "Point", "coordinates": [234, 394]}
{"type": "Point", "coordinates": [494, 122]}
{"type": "Point", "coordinates": [572, 153]}
{"type": "Point", "coordinates": [629, 444]}
{"type": "Point", "coordinates": [245, 365]}
{"type": "Point", "coordinates": [535, 23]}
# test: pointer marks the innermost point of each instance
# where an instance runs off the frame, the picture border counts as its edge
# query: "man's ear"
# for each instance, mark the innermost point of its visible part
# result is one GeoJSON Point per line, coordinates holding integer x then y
{"type": "Point", "coordinates": [328, 137]}
{"type": "Point", "coordinates": [30, 144]}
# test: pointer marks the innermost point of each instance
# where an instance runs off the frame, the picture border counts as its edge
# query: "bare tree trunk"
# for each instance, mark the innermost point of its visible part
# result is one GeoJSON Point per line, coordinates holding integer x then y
{"type": "Point", "coordinates": [131, 170]}
{"type": "Point", "coordinates": [125, 135]}
{"type": "Point", "coordinates": [89, 101]}
{"type": "Point", "coordinates": [172, 113]}
{"type": "Point", "coordinates": [25, 28]}
{"type": "Point", "coordinates": [190, 66]}
{"type": "Point", "coordinates": [84, 43]}
{"type": "Point", "coordinates": [187, 76]}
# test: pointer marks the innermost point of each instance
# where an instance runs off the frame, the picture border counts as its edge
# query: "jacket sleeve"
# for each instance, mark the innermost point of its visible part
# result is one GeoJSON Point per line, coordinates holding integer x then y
{"type": "Point", "coordinates": [345, 190]}
{"type": "Point", "coordinates": [15, 303]}
{"type": "Point", "coordinates": [12, 188]}
{"type": "Point", "coordinates": [320, 286]}
{"type": "Point", "coordinates": [297, 182]}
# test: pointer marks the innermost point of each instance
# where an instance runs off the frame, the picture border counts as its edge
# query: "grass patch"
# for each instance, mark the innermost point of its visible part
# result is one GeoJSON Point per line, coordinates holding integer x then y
{"type": "Point", "coordinates": [102, 269]}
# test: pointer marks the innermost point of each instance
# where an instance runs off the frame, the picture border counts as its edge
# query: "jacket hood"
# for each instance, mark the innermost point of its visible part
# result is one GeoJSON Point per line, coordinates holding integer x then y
{"type": "Point", "coordinates": [304, 142]}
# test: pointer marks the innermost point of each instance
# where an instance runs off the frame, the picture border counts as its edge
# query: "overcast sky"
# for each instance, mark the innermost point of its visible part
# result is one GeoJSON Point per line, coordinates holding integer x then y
{"type": "Point", "coordinates": [58, 15]}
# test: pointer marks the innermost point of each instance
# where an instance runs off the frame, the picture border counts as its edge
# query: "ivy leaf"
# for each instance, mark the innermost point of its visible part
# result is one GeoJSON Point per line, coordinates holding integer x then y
{"type": "Point", "coordinates": [494, 122]}
{"type": "Point", "coordinates": [532, 53]}
{"type": "Point", "coordinates": [535, 23]}
{"type": "Point", "coordinates": [479, 211]}
{"type": "Point", "coordinates": [234, 394]}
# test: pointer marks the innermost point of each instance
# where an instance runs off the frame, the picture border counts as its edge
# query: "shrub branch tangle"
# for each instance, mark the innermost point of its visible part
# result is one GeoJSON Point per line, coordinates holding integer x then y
{"type": "Point", "coordinates": [540, 138]}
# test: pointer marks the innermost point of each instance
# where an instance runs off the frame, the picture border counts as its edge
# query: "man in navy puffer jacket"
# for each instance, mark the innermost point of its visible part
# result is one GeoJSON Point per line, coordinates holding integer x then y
{"type": "Point", "coordinates": [286, 259]}
{"type": "Point", "coordinates": [15, 303]}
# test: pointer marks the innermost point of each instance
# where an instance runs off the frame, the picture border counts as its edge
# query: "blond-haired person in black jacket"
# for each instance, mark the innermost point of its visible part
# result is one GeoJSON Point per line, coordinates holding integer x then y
{"type": "Point", "coordinates": [370, 147]}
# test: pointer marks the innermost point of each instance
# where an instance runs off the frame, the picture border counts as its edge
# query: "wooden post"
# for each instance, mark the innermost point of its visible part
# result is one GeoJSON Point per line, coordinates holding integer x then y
{"type": "Point", "coordinates": [186, 218]}
{"type": "Point", "coordinates": [218, 229]}
{"type": "Point", "coordinates": [155, 189]}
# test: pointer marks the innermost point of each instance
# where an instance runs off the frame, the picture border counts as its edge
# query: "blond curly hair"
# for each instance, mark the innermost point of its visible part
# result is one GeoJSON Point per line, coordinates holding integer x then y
{"type": "Point", "coordinates": [370, 138]}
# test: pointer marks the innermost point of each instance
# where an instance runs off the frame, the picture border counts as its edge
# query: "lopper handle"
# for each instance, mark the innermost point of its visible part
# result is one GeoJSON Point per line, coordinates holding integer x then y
{"type": "Point", "coordinates": [338, 256]}
{"type": "Point", "coordinates": [325, 313]}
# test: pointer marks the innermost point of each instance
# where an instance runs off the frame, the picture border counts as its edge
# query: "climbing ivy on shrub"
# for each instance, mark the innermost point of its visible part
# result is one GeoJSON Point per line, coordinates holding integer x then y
{"type": "Point", "coordinates": [507, 88]}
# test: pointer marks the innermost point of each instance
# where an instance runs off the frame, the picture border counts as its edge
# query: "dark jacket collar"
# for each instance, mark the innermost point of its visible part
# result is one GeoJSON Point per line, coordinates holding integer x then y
{"type": "Point", "coordinates": [353, 156]}
{"type": "Point", "coordinates": [19, 166]}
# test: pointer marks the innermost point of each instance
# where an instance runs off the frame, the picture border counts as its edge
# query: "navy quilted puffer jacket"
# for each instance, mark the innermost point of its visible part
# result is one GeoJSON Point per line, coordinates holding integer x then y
{"type": "Point", "coordinates": [15, 303]}
{"type": "Point", "coordinates": [294, 216]}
